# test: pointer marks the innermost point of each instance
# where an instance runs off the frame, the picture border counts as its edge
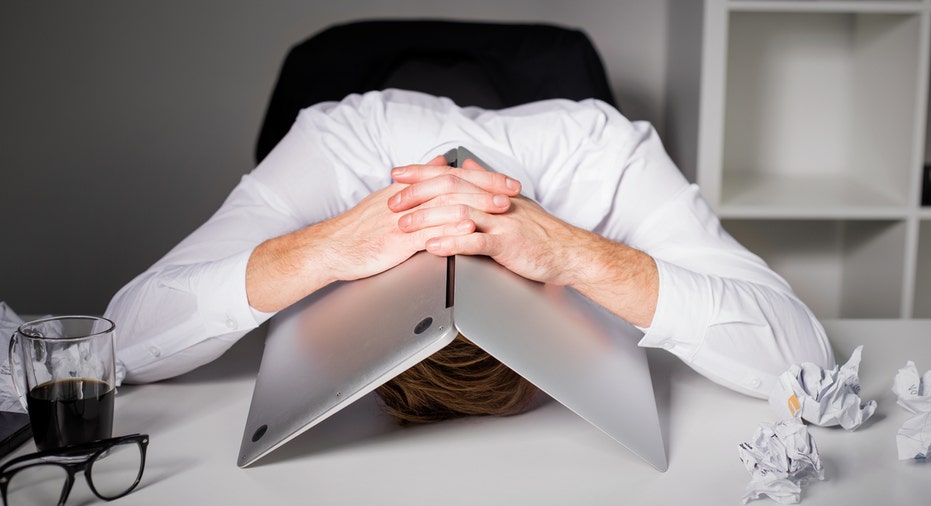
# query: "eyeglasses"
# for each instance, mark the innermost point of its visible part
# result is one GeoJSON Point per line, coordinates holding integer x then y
{"type": "Point", "coordinates": [113, 468]}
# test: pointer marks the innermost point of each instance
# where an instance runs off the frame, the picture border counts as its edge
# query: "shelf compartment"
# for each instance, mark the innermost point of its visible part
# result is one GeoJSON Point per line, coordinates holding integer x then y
{"type": "Point", "coordinates": [885, 6]}
{"type": "Point", "coordinates": [832, 69]}
{"type": "Point", "coordinates": [928, 119]}
{"type": "Point", "coordinates": [806, 196]}
{"type": "Point", "coordinates": [840, 268]}
{"type": "Point", "coordinates": [922, 305]}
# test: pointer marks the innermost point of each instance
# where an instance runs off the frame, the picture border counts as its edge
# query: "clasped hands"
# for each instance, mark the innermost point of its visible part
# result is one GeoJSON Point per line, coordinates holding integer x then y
{"type": "Point", "coordinates": [452, 211]}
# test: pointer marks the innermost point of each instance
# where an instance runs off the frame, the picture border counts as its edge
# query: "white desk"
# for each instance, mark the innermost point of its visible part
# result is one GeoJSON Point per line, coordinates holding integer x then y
{"type": "Point", "coordinates": [547, 456]}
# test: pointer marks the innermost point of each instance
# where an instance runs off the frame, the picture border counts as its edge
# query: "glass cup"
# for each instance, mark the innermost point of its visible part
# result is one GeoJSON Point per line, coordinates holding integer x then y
{"type": "Point", "coordinates": [65, 366]}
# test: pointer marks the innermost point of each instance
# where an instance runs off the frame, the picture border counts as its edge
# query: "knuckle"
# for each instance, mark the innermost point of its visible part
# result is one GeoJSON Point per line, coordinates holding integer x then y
{"type": "Point", "coordinates": [449, 181]}
{"type": "Point", "coordinates": [482, 242]}
{"type": "Point", "coordinates": [443, 200]}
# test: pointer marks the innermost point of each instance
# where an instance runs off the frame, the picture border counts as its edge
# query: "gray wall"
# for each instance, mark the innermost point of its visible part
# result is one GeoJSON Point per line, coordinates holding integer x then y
{"type": "Point", "coordinates": [124, 124]}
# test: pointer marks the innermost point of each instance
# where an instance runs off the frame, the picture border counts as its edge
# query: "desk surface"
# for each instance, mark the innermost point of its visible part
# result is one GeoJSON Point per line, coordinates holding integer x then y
{"type": "Point", "coordinates": [546, 456]}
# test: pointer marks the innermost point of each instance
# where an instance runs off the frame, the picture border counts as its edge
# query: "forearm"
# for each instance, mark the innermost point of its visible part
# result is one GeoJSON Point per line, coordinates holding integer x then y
{"type": "Point", "coordinates": [285, 269]}
{"type": "Point", "coordinates": [738, 332]}
{"type": "Point", "coordinates": [621, 279]}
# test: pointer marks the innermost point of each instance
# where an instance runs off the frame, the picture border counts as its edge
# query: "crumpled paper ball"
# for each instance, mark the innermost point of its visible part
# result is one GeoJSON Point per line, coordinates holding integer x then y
{"type": "Point", "coordinates": [913, 439]}
{"type": "Point", "coordinates": [781, 457]}
{"type": "Point", "coordinates": [913, 391]}
{"type": "Point", "coordinates": [822, 397]}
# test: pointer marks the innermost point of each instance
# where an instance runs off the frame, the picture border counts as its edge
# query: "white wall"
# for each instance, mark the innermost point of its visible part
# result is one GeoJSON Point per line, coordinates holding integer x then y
{"type": "Point", "coordinates": [124, 124]}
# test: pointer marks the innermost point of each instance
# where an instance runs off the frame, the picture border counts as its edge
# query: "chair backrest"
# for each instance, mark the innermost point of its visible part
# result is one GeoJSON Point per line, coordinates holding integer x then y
{"type": "Point", "coordinates": [490, 65]}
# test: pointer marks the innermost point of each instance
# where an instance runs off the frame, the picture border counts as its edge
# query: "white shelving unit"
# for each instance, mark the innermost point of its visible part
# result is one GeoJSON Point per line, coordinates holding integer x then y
{"type": "Point", "coordinates": [810, 136]}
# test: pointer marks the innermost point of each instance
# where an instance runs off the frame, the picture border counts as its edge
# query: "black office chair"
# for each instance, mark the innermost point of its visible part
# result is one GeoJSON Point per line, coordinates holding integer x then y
{"type": "Point", "coordinates": [488, 65]}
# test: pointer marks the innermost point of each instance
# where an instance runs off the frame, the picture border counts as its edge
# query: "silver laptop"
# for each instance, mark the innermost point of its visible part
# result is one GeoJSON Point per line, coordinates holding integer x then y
{"type": "Point", "coordinates": [348, 339]}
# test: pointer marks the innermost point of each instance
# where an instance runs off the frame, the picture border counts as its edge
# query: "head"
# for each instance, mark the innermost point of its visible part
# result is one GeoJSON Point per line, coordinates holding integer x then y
{"type": "Point", "coordinates": [459, 380]}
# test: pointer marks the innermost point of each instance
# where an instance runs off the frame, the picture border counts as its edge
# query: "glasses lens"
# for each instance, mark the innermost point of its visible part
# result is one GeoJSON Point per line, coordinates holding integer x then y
{"type": "Point", "coordinates": [39, 484]}
{"type": "Point", "coordinates": [116, 471]}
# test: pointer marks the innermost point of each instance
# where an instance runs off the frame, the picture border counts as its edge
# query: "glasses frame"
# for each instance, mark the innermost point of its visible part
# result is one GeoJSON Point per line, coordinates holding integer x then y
{"type": "Point", "coordinates": [88, 453]}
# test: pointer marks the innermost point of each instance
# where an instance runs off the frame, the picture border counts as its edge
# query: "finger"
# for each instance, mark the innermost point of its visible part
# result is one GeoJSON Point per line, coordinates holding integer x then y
{"type": "Point", "coordinates": [468, 244]}
{"type": "Point", "coordinates": [459, 228]}
{"type": "Point", "coordinates": [440, 160]}
{"type": "Point", "coordinates": [418, 172]}
{"type": "Point", "coordinates": [465, 207]}
{"type": "Point", "coordinates": [471, 164]}
{"type": "Point", "coordinates": [418, 239]}
{"type": "Point", "coordinates": [451, 184]}
{"type": "Point", "coordinates": [489, 181]}
{"type": "Point", "coordinates": [424, 191]}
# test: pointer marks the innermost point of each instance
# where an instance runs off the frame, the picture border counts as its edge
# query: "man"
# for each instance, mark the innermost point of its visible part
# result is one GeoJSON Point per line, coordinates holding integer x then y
{"type": "Point", "coordinates": [582, 197]}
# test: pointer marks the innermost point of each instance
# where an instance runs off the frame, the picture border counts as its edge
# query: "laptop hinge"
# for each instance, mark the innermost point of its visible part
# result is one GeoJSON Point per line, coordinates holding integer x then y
{"type": "Point", "coordinates": [450, 280]}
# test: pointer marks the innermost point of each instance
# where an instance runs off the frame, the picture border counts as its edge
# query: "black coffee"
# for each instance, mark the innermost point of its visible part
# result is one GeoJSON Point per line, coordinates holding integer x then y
{"type": "Point", "coordinates": [71, 411]}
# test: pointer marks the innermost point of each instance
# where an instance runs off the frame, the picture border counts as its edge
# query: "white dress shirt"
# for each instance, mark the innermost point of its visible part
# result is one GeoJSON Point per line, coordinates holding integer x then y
{"type": "Point", "coordinates": [720, 308]}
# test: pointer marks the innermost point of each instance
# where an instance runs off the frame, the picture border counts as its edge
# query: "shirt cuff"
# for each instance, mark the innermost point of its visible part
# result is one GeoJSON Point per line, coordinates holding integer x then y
{"type": "Point", "coordinates": [198, 303]}
{"type": "Point", "coordinates": [222, 303]}
{"type": "Point", "coordinates": [683, 311]}
{"type": "Point", "coordinates": [260, 317]}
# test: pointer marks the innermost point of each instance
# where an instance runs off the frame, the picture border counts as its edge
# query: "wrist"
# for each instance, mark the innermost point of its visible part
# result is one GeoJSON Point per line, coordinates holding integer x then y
{"type": "Point", "coordinates": [316, 257]}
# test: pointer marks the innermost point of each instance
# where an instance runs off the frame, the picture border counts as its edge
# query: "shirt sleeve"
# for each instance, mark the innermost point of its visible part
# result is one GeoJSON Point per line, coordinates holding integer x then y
{"type": "Point", "coordinates": [195, 295]}
{"type": "Point", "coordinates": [191, 306]}
{"type": "Point", "coordinates": [721, 309]}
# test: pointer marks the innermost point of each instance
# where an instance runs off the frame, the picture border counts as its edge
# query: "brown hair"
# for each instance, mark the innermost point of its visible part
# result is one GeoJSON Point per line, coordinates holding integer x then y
{"type": "Point", "coordinates": [459, 380]}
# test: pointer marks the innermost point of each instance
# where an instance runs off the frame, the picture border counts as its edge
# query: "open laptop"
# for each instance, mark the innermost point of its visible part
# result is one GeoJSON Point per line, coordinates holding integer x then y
{"type": "Point", "coordinates": [346, 340]}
